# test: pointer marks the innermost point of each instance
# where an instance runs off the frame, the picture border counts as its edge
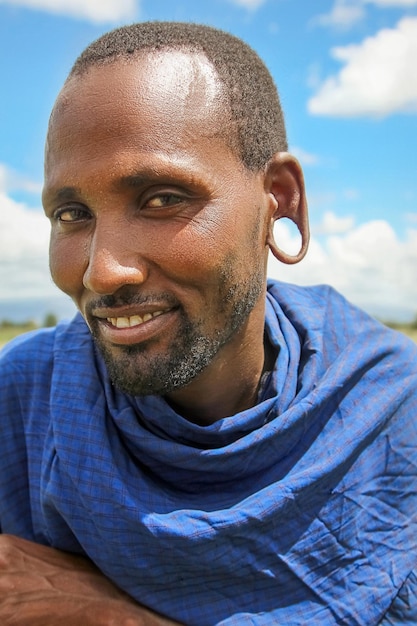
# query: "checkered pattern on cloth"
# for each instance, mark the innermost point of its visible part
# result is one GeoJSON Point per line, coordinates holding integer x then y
{"type": "Point", "coordinates": [300, 511]}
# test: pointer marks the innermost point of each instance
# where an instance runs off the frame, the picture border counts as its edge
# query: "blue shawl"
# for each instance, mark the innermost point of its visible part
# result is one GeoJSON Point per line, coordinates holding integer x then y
{"type": "Point", "coordinates": [301, 510]}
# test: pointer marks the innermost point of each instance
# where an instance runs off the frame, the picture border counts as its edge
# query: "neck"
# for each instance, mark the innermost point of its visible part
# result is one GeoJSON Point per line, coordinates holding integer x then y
{"type": "Point", "coordinates": [228, 386]}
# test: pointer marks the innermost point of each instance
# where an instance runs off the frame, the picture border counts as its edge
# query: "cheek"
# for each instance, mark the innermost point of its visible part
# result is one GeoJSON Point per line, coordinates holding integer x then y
{"type": "Point", "coordinates": [213, 241]}
{"type": "Point", "coordinates": [195, 252]}
{"type": "Point", "coordinates": [67, 264]}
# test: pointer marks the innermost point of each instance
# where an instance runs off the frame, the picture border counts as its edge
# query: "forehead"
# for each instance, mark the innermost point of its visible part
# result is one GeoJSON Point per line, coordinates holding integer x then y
{"type": "Point", "coordinates": [174, 89]}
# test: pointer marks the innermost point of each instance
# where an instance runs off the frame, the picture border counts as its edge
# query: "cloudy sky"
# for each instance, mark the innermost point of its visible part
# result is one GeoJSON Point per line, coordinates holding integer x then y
{"type": "Point", "coordinates": [347, 75]}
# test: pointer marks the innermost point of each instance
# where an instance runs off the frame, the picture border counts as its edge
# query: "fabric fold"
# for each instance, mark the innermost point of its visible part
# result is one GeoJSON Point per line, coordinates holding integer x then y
{"type": "Point", "coordinates": [279, 514]}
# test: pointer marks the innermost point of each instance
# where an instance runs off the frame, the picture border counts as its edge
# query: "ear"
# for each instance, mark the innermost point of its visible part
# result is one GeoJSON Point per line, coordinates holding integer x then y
{"type": "Point", "coordinates": [284, 182]}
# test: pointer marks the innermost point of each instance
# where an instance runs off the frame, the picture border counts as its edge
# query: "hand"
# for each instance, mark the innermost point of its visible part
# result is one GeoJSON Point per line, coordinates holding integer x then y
{"type": "Point", "coordinates": [41, 586]}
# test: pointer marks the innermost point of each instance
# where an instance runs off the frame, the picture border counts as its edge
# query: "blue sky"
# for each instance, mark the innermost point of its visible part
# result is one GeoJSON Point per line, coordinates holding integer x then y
{"type": "Point", "coordinates": [347, 75]}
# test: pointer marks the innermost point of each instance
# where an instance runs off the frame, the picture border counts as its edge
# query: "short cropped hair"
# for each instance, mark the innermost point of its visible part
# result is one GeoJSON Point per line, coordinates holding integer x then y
{"type": "Point", "coordinates": [255, 109]}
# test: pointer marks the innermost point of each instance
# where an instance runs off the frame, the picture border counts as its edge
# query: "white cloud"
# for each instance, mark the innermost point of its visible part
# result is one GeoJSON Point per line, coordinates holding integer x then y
{"type": "Point", "coordinates": [393, 3]}
{"type": "Point", "coordinates": [26, 288]}
{"type": "Point", "coordinates": [332, 224]}
{"type": "Point", "coordinates": [249, 4]}
{"type": "Point", "coordinates": [343, 15]}
{"type": "Point", "coordinates": [350, 194]}
{"type": "Point", "coordinates": [347, 13]}
{"type": "Point", "coordinates": [314, 75]}
{"type": "Point", "coordinates": [305, 158]}
{"type": "Point", "coordinates": [369, 264]}
{"type": "Point", "coordinates": [379, 77]}
{"type": "Point", "coordinates": [13, 181]}
{"type": "Point", "coordinates": [411, 218]}
{"type": "Point", "coordinates": [96, 11]}
{"type": "Point", "coordinates": [24, 236]}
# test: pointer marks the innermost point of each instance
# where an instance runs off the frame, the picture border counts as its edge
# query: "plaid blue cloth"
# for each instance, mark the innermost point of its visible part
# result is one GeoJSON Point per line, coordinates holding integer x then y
{"type": "Point", "coordinates": [300, 511]}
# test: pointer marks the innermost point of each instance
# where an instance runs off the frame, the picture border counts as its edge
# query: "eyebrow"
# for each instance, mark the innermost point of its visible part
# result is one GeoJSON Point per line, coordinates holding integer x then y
{"type": "Point", "coordinates": [132, 181]}
{"type": "Point", "coordinates": [145, 177]}
{"type": "Point", "coordinates": [63, 194]}
{"type": "Point", "coordinates": [136, 180]}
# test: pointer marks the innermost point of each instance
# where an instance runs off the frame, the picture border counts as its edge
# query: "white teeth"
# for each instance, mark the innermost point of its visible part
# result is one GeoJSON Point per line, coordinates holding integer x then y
{"type": "Point", "coordinates": [122, 322]}
{"type": "Point", "coordinates": [134, 320]}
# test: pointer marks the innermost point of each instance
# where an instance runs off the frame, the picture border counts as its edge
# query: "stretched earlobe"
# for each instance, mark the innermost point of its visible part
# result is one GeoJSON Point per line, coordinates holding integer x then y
{"type": "Point", "coordinates": [284, 257]}
{"type": "Point", "coordinates": [285, 185]}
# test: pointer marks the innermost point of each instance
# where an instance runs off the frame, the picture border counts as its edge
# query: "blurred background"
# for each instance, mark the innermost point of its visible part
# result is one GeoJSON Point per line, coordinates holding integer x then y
{"type": "Point", "coordinates": [346, 71]}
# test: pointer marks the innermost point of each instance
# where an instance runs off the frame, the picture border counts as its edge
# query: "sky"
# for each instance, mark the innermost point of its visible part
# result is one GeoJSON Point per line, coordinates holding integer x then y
{"type": "Point", "coordinates": [346, 71]}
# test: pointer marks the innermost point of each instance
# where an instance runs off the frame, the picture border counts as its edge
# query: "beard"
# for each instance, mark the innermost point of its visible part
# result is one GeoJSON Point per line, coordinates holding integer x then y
{"type": "Point", "coordinates": [133, 371]}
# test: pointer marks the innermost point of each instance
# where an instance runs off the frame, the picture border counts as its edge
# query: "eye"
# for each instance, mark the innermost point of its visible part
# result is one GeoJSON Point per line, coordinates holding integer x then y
{"type": "Point", "coordinates": [71, 214]}
{"type": "Point", "coordinates": [163, 200]}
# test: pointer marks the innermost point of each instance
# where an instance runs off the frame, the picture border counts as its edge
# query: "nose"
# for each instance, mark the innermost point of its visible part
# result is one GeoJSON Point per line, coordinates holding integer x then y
{"type": "Point", "coordinates": [113, 262]}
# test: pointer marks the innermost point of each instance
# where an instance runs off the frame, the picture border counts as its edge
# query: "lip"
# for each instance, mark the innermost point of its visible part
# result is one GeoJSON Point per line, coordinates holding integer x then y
{"type": "Point", "coordinates": [130, 335]}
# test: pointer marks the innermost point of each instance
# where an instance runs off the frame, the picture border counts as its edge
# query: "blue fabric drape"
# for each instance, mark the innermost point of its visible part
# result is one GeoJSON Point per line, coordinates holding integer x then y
{"type": "Point", "coordinates": [301, 510]}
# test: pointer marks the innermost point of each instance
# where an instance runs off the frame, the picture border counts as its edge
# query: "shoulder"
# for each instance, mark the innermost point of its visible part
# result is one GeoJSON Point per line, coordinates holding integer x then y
{"type": "Point", "coordinates": [20, 351]}
{"type": "Point", "coordinates": [30, 351]}
{"type": "Point", "coordinates": [316, 304]}
{"type": "Point", "coordinates": [325, 316]}
{"type": "Point", "coordinates": [28, 360]}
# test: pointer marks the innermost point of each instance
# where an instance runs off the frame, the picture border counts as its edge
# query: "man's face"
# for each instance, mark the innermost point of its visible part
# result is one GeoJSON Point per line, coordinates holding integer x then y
{"type": "Point", "coordinates": [158, 231]}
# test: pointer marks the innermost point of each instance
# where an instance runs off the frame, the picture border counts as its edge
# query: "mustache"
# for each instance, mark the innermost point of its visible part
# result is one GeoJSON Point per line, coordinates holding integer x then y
{"type": "Point", "coordinates": [120, 300]}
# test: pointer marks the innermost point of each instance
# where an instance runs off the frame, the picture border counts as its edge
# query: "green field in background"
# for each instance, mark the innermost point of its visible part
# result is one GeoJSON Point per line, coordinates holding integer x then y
{"type": "Point", "coordinates": [7, 333]}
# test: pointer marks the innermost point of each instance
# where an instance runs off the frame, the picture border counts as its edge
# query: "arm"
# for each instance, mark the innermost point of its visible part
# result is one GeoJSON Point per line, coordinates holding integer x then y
{"type": "Point", "coordinates": [41, 586]}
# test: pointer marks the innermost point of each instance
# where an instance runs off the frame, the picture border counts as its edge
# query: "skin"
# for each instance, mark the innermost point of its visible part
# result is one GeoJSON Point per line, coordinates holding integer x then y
{"type": "Point", "coordinates": [152, 212]}
{"type": "Point", "coordinates": [40, 586]}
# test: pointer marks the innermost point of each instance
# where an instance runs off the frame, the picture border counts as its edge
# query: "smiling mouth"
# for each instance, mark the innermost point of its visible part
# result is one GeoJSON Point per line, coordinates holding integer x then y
{"type": "Point", "coordinates": [134, 320]}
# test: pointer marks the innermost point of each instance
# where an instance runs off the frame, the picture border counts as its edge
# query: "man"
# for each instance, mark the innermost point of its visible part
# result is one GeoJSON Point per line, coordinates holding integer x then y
{"type": "Point", "coordinates": [191, 443]}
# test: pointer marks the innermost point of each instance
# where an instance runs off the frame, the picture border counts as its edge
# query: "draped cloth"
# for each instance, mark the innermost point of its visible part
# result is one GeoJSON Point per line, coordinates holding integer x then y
{"type": "Point", "coordinates": [299, 511]}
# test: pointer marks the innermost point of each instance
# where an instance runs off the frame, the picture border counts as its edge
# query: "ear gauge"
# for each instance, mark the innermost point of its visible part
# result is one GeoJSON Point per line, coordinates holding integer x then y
{"type": "Point", "coordinates": [285, 182]}
{"type": "Point", "coordinates": [282, 256]}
